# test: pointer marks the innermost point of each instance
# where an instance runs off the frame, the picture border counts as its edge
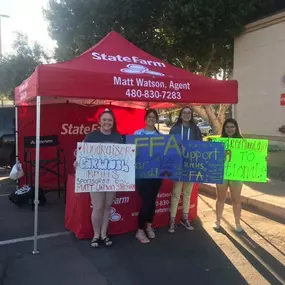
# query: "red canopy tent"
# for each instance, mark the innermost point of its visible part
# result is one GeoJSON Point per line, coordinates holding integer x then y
{"type": "Point", "coordinates": [115, 72]}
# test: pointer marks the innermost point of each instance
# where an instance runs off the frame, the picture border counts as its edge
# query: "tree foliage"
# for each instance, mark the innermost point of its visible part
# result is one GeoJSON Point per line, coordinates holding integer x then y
{"type": "Point", "coordinates": [197, 35]}
{"type": "Point", "coordinates": [16, 67]}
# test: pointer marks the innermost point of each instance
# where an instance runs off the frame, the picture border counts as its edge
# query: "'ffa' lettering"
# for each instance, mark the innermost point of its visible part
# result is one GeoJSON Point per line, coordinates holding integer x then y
{"type": "Point", "coordinates": [152, 142]}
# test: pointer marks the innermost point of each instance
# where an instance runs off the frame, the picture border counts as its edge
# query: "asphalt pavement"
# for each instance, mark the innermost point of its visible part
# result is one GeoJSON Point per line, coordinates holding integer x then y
{"type": "Point", "coordinates": [258, 253]}
{"type": "Point", "coordinates": [203, 256]}
{"type": "Point", "coordinates": [170, 259]}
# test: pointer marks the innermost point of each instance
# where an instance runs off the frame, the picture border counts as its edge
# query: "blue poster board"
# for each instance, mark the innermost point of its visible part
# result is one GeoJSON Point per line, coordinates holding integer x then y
{"type": "Point", "coordinates": [202, 162]}
{"type": "Point", "coordinates": [156, 156]}
{"type": "Point", "coordinates": [170, 157]}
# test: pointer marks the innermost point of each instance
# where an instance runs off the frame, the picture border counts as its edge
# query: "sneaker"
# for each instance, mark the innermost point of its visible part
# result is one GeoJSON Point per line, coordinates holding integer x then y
{"type": "Point", "coordinates": [141, 236]}
{"type": "Point", "coordinates": [172, 228]}
{"type": "Point", "coordinates": [216, 226]}
{"type": "Point", "coordinates": [186, 224]}
{"type": "Point", "coordinates": [239, 228]}
{"type": "Point", "coordinates": [150, 232]}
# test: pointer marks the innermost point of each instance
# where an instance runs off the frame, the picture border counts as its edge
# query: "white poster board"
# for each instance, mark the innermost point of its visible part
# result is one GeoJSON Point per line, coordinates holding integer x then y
{"type": "Point", "coordinates": [105, 167]}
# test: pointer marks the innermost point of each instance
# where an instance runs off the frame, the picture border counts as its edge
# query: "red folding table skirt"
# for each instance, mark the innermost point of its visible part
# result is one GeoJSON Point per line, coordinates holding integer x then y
{"type": "Point", "coordinates": [124, 210]}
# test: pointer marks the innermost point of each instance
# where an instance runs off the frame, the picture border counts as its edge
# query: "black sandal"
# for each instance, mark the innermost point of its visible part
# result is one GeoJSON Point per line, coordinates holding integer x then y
{"type": "Point", "coordinates": [107, 241]}
{"type": "Point", "coordinates": [95, 242]}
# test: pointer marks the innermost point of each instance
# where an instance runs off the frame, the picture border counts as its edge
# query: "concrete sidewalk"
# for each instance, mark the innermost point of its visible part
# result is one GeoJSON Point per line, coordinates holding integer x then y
{"type": "Point", "coordinates": [268, 198]}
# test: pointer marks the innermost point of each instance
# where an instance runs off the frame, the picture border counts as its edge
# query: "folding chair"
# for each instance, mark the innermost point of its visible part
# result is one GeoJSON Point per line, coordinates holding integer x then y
{"type": "Point", "coordinates": [54, 164]}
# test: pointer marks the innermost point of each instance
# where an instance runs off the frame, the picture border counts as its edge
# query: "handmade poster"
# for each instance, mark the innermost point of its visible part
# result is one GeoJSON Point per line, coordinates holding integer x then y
{"type": "Point", "coordinates": [157, 156]}
{"type": "Point", "coordinates": [202, 162]}
{"type": "Point", "coordinates": [245, 159]}
{"type": "Point", "coordinates": [104, 167]}
{"type": "Point", "coordinates": [170, 157]}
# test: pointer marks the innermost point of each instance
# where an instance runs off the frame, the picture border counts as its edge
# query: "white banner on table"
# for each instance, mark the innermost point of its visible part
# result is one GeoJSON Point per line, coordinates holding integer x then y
{"type": "Point", "coordinates": [105, 167]}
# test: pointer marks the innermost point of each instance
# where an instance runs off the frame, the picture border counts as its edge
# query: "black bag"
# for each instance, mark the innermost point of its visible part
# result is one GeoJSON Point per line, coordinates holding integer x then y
{"type": "Point", "coordinates": [42, 196]}
{"type": "Point", "coordinates": [26, 196]}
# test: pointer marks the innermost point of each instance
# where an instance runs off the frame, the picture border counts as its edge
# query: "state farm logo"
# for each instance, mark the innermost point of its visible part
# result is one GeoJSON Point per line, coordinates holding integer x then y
{"type": "Point", "coordinates": [114, 216]}
{"type": "Point", "coordinates": [23, 95]}
{"type": "Point", "coordinates": [121, 200]}
{"type": "Point", "coordinates": [70, 129]}
{"type": "Point", "coordinates": [24, 86]}
{"type": "Point", "coordinates": [139, 69]}
{"type": "Point", "coordinates": [23, 90]}
{"type": "Point", "coordinates": [127, 59]}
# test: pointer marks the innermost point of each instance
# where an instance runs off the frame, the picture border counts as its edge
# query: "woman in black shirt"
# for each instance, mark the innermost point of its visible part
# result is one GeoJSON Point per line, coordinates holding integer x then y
{"type": "Point", "coordinates": [102, 201]}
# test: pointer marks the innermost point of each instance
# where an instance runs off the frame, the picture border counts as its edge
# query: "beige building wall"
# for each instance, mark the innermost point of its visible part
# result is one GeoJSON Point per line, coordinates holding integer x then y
{"type": "Point", "coordinates": [259, 67]}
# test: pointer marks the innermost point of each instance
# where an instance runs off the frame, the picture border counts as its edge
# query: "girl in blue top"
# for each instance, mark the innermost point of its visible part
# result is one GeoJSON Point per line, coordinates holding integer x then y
{"type": "Point", "coordinates": [148, 188]}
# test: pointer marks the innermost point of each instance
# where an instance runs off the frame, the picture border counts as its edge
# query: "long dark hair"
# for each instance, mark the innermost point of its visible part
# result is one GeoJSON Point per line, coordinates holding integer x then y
{"type": "Point", "coordinates": [237, 133]}
{"type": "Point", "coordinates": [154, 112]}
{"type": "Point", "coordinates": [179, 120]}
{"type": "Point", "coordinates": [108, 111]}
{"type": "Point", "coordinates": [151, 111]}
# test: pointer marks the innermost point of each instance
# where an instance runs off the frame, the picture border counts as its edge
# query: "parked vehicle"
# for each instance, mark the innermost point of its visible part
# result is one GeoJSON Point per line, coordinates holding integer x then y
{"type": "Point", "coordinates": [198, 120]}
{"type": "Point", "coordinates": [162, 119]}
{"type": "Point", "coordinates": [169, 123]}
{"type": "Point", "coordinates": [205, 128]}
{"type": "Point", "coordinates": [7, 136]}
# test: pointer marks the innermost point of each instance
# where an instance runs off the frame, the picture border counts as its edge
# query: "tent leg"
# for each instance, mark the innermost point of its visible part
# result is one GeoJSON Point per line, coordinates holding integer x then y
{"type": "Point", "coordinates": [234, 111]}
{"type": "Point", "coordinates": [16, 141]}
{"type": "Point", "coordinates": [36, 202]}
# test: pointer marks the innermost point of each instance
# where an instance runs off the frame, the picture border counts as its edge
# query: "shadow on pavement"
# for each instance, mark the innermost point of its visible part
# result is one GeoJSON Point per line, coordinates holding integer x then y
{"type": "Point", "coordinates": [182, 258]}
{"type": "Point", "coordinates": [257, 232]}
{"type": "Point", "coordinates": [261, 260]}
{"type": "Point", "coordinates": [6, 184]}
{"type": "Point", "coordinates": [59, 262]}
{"type": "Point", "coordinates": [18, 222]}
{"type": "Point", "coordinates": [185, 257]}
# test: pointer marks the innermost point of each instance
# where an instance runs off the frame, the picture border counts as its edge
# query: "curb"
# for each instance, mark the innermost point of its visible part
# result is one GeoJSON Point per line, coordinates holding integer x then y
{"type": "Point", "coordinates": [263, 208]}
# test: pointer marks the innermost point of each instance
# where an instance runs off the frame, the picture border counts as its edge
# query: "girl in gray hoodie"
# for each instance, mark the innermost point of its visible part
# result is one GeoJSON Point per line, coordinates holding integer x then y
{"type": "Point", "coordinates": [187, 129]}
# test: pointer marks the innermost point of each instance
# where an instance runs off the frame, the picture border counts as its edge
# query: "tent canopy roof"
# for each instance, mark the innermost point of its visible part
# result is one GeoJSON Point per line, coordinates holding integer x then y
{"type": "Point", "coordinates": [114, 70]}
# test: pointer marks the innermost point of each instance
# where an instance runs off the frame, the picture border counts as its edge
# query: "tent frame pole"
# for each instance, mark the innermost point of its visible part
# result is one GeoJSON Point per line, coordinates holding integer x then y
{"type": "Point", "coordinates": [234, 111]}
{"type": "Point", "coordinates": [16, 141]}
{"type": "Point", "coordinates": [37, 162]}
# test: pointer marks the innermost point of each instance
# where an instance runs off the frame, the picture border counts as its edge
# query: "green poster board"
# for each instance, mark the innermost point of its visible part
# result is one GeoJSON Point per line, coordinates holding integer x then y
{"type": "Point", "coordinates": [245, 159]}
